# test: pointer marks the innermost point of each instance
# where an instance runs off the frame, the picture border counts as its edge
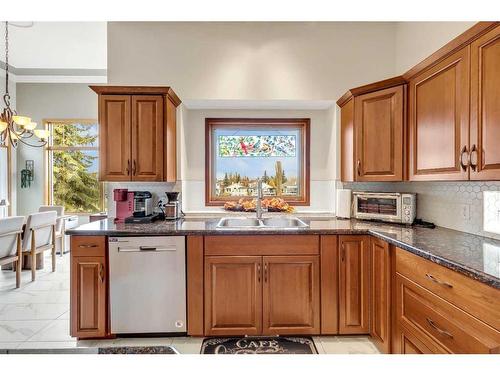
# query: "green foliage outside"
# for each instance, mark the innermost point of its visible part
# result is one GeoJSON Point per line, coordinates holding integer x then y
{"type": "Point", "coordinates": [75, 187]}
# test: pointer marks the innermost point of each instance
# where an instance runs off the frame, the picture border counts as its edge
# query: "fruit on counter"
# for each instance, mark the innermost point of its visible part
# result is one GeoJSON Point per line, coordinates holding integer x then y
{"type": "Point", "coordinates": [248, 205]}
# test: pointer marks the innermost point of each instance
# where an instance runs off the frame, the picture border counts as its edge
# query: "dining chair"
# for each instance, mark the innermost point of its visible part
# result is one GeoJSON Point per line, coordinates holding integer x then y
{"type": "Point", "coordinates": [11, 229]}
{"type": "Point", "coordinates": [60, 225]}
{"type": "Point", "coordinates": [39, 236]}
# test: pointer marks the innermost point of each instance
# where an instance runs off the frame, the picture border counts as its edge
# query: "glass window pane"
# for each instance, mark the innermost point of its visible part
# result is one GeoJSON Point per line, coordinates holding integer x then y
{"type": "Point", "coordinates": [243, 156]}
{"type": "Point", "coordinates": [76, 186]}
{"type": "Point", "coordinates": [74, 134]}
{"type": "Point", "coordinates": [377, 206]}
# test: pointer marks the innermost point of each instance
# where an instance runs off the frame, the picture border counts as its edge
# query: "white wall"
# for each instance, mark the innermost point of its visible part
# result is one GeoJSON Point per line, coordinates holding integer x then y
{"type": "Point", "coordinates": [322, 151]}
{"type": "Point", "coordinates": [57, 45]}
{"type": "Point", "coordinates": [251, 60]}
{"type": "Point", "coordinates": [48, 101]}
{"type": "Point", "coordinates": [417, 40]}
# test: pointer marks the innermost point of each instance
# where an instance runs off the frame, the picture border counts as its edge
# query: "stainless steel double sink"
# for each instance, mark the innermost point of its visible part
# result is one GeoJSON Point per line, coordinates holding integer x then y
{"type": "Point", "coordinates": [278, 222]}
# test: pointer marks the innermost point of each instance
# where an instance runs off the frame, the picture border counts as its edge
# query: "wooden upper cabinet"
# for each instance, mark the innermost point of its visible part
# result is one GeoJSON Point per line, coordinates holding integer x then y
{"type": "Point", "coordinates": [485, 107]}
{"type": "Point", "coordinates": [291, 295]}
{"type": "Point", "coordinates": [439, 120]}
{"type": "Point", "coordinates": [347, 142]}
{"type": "Point", "coordinates": [233, 295]}
{"type": "Point", "coordinates": [147, 137]}
{"type": "Point", "coordinates": [380, 300]}
{"type": "Point", "coordinates": [137, 130]}
{"type": "Point", "coordinates": [88, 296]}
{"type": "Point", "coordinates": [114, 138]}
{"type": "Point", "coordinates": [354, 284]}
{"type": "Point", "coordinates": [379, 125]}
{"type": "Point", "coordinates": [372, 132]}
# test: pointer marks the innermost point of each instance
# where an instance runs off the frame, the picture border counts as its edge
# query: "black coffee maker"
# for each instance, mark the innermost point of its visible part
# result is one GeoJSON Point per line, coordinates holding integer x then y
{"type": "Point", "coordinates": [172, 208]}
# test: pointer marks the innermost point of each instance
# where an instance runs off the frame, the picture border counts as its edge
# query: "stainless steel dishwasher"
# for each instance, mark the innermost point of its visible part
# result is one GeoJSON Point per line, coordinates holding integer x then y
{"type": "Point", "coordinates": [147, 284]}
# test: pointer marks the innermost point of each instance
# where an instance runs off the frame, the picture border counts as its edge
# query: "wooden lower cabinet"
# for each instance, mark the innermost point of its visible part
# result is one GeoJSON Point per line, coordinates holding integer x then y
{"type": "Point", "coordinates": [291, 295]}
{"type": "Point", "coordinates": [354, 284]}
{"type": "Point", "coordinates": [255, 295]}
{"type": "Point", "coordinates": [440, 325]}
{"type": "Point", "coordinates": [410, 344]}
{"type": "Point", "coordinates": [380, 301]}
{"type": "Point", "coordinates": [88, 296]}
{"type": "Point", "coordinates": [233, 295]}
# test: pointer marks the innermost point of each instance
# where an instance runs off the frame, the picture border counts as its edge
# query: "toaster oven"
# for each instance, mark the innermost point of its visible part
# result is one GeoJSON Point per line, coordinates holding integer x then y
{"type": "Point", "coordinates": [390, 207]}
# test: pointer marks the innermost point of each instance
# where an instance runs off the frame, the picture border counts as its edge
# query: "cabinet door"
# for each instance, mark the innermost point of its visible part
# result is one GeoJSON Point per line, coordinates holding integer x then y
{"type": "Point", "coordinates": [88, 297]}
{"type": "Point", "coordinates": [354, 284]}
{"type": "Point", "coordinates": [291, 295]}
{"type": "Point", "coordinates": [114, 138]}
{"type": "Point", "coordinates": [485, 107]}
{"type": "Point", "coordinates": [439, 120]}
{"type": "Point", "coordinates": [380, 301]}
{"type": "Point", "coordinates": [147, 138]}
{"type": "Point", "coordinates": [233, 295]}
{"type": "Point", "coordinates": [379, 120]}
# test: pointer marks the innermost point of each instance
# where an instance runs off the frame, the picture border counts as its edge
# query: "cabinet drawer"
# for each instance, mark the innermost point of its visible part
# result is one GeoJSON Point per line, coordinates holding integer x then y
{"type": "Point", "coordinates": [90, 246]}
{"type": "Point", "coordinates": [262, 245]}
{"type": "Point", "coordinates": [478, 299]}
{"type": "Point", "coordinates": [453, 329]}
{"type": "Point", "coordinates": [412, 344]}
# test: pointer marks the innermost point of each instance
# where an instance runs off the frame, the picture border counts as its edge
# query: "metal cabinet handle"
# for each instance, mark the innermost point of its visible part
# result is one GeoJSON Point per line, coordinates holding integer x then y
{"type": "Point", "coordinates": [134, 168]}
{"type": "Point", "coordinates": [101, 273]}
{"type": "Point", "coordinates": [435, 327]}
{"type": "Point", "coordinates": [265, 272]}
{"type": "Point", "coordinates": [258, 272]}
{"type": "Point", "coordinates": [464, 151]}
{"type": "Point", "coordinates": [473, 151]}
{"type": "Point", "coordinates": [359, 167]}
{"type": "Point", "coordinates": [433, 279]}
{"type": "Point", "coordinates": [87, 246]}
{"type": "Point", "coordinates": [128, 167]}
{"type": "Point", "coordinates": [342, 253]}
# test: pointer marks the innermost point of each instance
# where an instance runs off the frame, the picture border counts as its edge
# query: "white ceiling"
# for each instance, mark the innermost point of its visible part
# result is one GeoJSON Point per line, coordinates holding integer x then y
{"type": "Point", "coordinates": [56, 45]}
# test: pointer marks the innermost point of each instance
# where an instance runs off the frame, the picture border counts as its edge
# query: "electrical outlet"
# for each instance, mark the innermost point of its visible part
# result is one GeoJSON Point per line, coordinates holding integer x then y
{"type": "Point", "coordinates": [465, 212]}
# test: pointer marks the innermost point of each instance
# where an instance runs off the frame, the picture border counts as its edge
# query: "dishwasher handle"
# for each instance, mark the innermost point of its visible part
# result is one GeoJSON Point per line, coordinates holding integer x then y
{"type": "Point", "coordinates": [145, 249]}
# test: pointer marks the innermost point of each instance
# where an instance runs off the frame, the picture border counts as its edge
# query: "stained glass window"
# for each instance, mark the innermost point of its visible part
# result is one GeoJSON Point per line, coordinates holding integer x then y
{"type": "Point", "coordinates": [257, 145]}
{"type": "Point", "coordinates": [240, 153]}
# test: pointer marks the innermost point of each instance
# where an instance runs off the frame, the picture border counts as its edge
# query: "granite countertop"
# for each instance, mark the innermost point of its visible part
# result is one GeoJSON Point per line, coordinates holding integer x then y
{"type": "Point", "coordinates": [474, 256]}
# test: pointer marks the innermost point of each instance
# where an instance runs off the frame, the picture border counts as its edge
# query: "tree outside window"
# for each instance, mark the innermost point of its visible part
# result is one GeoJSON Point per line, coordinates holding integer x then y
{"type": "Point", "coordinates": [73, 156]}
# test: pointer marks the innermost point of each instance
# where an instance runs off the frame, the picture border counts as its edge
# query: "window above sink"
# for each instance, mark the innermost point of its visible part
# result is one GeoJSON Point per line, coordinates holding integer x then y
{"type": "Point", "coordinates": [239, 151]}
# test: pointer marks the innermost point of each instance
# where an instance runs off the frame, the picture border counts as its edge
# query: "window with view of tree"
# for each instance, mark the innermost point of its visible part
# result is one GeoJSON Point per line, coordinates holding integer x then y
{"type": "Point", "coordinates": [241, 151]}
{"type": "Point", "coordinates": [73, 160]}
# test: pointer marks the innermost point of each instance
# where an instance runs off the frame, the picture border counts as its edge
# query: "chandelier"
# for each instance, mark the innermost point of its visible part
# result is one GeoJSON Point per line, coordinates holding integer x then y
{"type": "Point", "coordinates": [14, 128]}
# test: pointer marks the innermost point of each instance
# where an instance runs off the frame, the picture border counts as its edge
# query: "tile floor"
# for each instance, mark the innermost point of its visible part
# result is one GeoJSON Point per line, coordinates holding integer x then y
{"type": "Point", "coordinates": [37, 316]}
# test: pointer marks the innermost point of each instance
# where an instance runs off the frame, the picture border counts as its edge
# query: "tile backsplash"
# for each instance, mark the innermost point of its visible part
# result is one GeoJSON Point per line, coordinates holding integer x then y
{"type": "Point", "coordinates": [455, 205]}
